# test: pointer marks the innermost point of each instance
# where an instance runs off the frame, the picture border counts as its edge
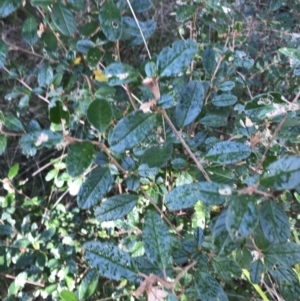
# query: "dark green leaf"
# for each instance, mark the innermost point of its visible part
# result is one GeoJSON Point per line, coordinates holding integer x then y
{"type": "Point", "coordinates": [274, 223]}
{"type": "Point", "coordinates": [287, 253]}
{"type": "Point", "coordinates": [3, 52]}
{"type": "Point", "coordinates": [242, 216]}
{"type": "Point", "coordinates": [275, 4]}
{"type": "Point", "coordinates": [186, 196]}
{"type": "Point", "coordinates": [131, 130]}
{"type": "Point", "coordinates": [208, 288]}
{"type": "Point", "coordinates": [166, 101]}
{"type": "Point", "coordinates": [42, 3]}
{"type": "Point", "coordinates": [157, 241]}
{"type": "Point", "coordinates": [226, 268]}
{"type": "Point", "coordinates": [228, 152]}
{"type": "Point", "coordinates": [59, 112]}
{"type": "Point", "coordinates": [96, 185]}
{"type": "Point", "coordinates": [13, 123]}
{"type": "Point", "coordinates": [189, 104]}
{"type": "Point", "coordinates": [29, 31]}
{"type": "Point", "coordinates": [109, 260]}
{"type": "Point", "coordinates": [89, 29]}
{"type": "Point", "coordinates": [50, 41]}
{"type": "Point", "coordinates": [173, 60]}
{"type": "Point", "coordinates": [116, 207]}
{"type": "Point", "coordinates": [88, 284]}
{"type": "Point", "coordinates": [33, 141]}
{"type": "Point", "coordinates": [119, 74]}
{"type": "Point", "coordinates": [93, 56]}
{"type": "Point", "coordinates": [221, 239]}
{"type": "Point", "coordinates": [140, 6]}
{"type": "Point", "coordinates": [99, 114]}
{"type": "Point", "coordinates": [7, 7]}
{"type": "Point", "coordinates": [199, 236]}
{"type": "Point", "coordinates": [84, 46]}
{"type": "Point", "coordinates": [45, 75]}
{"type": "Point", "coordinates": [80, 157]}
{"type": "Point", "coordinates": [226, 86]}
{"type": "Point", "coordinates": [63, 19]}
{"type": "Point", "coordinates": [66, 295]}
{"type": "Point", "coordinates": [282, 174]}
{"type": "Point", "coordinates": [224, 100]}
{"type": "Point", "coordinates": [185, 12]}
{"type": "Point", "coordinates": [110, 20]}
{"type": "Point", "coordinates": [157, 156]}
{"type": "Point", "coordinates": [257, 268]}
{"type": "Point", "coordinates": [209, 60]}
{"type": "Point", "coordinates": [131, 31]}
{"type": "Point", "coordinates": [6, 230]}
{"type": "Point", "coordinates": [215, 119]}
{"type": "Point", "coordinates": [3, 143]}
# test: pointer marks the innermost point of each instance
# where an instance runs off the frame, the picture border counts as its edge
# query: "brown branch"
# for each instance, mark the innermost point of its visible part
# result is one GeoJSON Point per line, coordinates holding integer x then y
{"type": "Point", "coordinates": [160, 211]}
{"type": "Point", "coordinates": [186, 147]}
{"type": "Point", "coordinates": [278, 128]}
{"type": "Point", "coordinates": [26, 282]}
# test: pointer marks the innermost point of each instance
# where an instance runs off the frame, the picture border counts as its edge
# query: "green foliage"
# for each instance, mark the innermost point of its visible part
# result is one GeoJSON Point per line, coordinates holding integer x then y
{"type": "Point", "coordinates": [136, 163]}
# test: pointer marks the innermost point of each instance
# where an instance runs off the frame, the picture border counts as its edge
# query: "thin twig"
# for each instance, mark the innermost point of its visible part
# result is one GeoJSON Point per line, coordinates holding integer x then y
{"type": "Point", "coordinates": [26, 281]}
{"type": "Point", "coordinates": [137, 23]}
{"type": "Point", "coordinates": [160, 212]}
{"type": "Point", "coordinates": [199, 165]}
{"type": "Point", "coordinates": [274, 136]}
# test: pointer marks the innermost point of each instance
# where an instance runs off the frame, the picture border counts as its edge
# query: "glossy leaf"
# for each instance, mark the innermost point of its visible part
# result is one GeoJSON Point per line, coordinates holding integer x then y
{"type": "Point", "coordinates": [84, 45]}
{"type": "Point", "coordinates": [13, 171]}
{"type": "Point", "coordinates": [119, 74]}
{"type": "Point", "coordinates": [275, 4]}
{"type": "Point", "coordinates": [35, 140]}
{"type": "Point", "coordinates": [224, 100]}
{"type": "Point", "coordinates": [80, 157]}
{"type": "Point", "coordinates": [257, 268]}
{"type": "Point", "coordinates": [157, 242]}
{"type": "Point", "coordinates": [116, 207]}
{"type": "Point", "coordinates": [3, 52]}
{"type": "Point", "coordinates": [140, 6]}
{"type": "Point", "coordinates": [287, 253]}
{"type": "Point", "coordinates": [110, 20]}
{"type": "Point", "coordinates": [221, 239]}
{"type": "Point", "coordinates": [6, 230]}
{"type": "Point", "coordinates": [274, 223]}
{"type": "Point", "coordinates": [186, 196]}
{"type": "Point", "coordinates": [209, 60]}
{"type": "Point", "coordinates": [226, 268]}
{"type": "Point", "coordinates": [96, 185]}
{"type": "Point", "coordinates": [189, 104]}
{"type": "Point", "coordinates": [131, 31]}
{"type": "Point", "coordinates": [208, 288]}
{"type": "Point", "coordinates": [29, 31]}
{"type": "Point", "coordinates": [58, 113]}
{"type": "Point", "coordinates": [45, 75]}
{"type": "Point", "coordinates": [63, 19]}
{"type": "Point", "coordinates": [173, 60]}
{"type": "Point", "coordinates": [242, 216]}
{"type": "Point", "coordinates": [282, 174]}
{"type": "Point", "coordinates": [93, 56]}
{"type": "Point", "coordinates": [228, 152]}
{"type": "Point", "coordinates": [226, 86]}
{"type": "Point", "coordinates": [215, 119]}
{"type": "Point", "coordinates": [157, 156]}
{"type": "Point", "coordinates": [185, 12]}
{"type": "Point", "coordinates": [7, 7]}
{"type": "Point", "coordinates": [88, 284]}
{"type": "Point", "coordinates": [3, 143]}
{"type": "Point", "coordinates": [99, 114]}
{"type": "Point", "coordinates": [131, 130]}
{"type": "Point", "coordinates": [109, 260]}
